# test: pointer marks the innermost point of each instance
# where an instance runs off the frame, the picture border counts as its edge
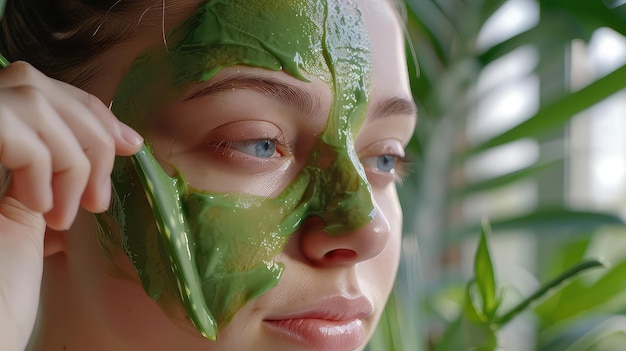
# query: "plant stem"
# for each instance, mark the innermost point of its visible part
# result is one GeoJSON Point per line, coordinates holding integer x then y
{"type": "Point", "coordinates": [572, 272]}
{"type": "Point", "coordinates": [3, 61]}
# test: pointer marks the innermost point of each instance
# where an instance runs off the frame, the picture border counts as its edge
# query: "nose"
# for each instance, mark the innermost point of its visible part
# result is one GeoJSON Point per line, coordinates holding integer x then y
{"type": "Point", "coordinates": [324, 249]}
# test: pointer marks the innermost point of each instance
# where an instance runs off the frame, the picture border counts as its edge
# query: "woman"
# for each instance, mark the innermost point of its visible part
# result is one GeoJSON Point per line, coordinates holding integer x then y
{"type": "Point", "coordinates": [287, 120]}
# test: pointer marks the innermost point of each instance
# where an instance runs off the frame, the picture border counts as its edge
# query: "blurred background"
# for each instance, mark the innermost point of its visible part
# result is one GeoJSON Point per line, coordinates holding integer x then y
{"type": "Point", "coordinates": [522, 119]}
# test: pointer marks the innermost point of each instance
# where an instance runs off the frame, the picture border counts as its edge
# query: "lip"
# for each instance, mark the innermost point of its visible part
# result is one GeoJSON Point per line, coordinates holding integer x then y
{"type": "Point", "coordinates": [331, 324]}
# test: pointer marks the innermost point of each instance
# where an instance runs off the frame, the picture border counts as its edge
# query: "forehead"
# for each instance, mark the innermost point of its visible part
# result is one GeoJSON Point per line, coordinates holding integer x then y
{"type": "Point", "coordinates": [325, 39]}
{"type": "Point", "coordinates": [305, 36]}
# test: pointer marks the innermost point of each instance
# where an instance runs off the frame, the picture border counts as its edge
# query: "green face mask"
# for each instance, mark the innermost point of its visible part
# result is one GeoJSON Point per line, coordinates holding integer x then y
{"type": "Point", "coordinates": [215, 252]}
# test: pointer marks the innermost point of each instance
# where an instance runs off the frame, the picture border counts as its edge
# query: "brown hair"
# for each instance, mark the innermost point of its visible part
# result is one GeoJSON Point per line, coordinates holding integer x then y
{"type": "Point", "coordinates": [63, 37]}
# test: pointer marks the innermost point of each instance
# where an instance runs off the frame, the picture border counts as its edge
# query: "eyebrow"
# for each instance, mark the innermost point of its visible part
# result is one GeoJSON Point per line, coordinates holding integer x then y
{"type": "Point", "coordinates": [286, 94]}
{"type": "Point", "coordinates": [300, 99]}
{"type": "Point", "coordinates": [394, 106]}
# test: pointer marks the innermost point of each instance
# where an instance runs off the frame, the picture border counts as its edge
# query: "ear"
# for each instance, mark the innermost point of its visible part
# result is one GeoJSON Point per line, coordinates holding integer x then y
{"type": "Point", "coordinates": [53, 243]}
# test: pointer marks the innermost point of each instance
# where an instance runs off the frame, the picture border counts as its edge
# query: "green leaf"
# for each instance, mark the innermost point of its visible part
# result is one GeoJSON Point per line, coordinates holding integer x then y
{"type": "Point", "coordinates": [163, 196]}
{"type": "Point", "coordinates": [488, 8]}
{"type": "Point", "coordinates": [586, 298]}
{"type": "Point", "coordinates": [3, 61]}
{"type": "Point", "coordinates": [453, 337]}
{"type": "Point", "coordinates": [556, 283]}
{"type": "Point", "coordinates": [387, 335]}
{"type": "Point", "coordinates": [555, 115]}
{"type": "Point", "coordinates": [569, 253]}
{"type": "Point", "coordinates": [472, 313]}
{"type": "Point", "coordinates": [470, 331]}
{"type": "Point", "coordinates": [434, 25]}
{"type": "Point", "coordinates": [591, 333]}
{"type": "Point", "coordinates": [483, 270]}
{"type": "Point", "coordinates": [508, 178]}
{"type": "Point", "coordinates": [547, 219]}
{"type": "Point", "coordinates": [602, 338]}
{"type": "Point", "coordinates": [590, 14]}
{"type": "Point", "coordinates": [478, 332]}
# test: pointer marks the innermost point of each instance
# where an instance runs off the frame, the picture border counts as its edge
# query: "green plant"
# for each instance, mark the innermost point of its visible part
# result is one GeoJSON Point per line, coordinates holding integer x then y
{"type": "Point", "coordinates": [477, 327]}
{"type": "Point", "coordinates": [444, 36]}
{"type": "Point", "coordinates": [3, 61]}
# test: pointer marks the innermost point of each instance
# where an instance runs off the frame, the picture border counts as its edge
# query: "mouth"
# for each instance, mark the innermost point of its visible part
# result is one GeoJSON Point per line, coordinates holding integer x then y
{"type": "Point", "coordinates": [331, 324]}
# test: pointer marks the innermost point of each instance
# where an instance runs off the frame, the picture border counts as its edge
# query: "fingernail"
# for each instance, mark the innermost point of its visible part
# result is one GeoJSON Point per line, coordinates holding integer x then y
{"type": "Point", "coordinates": [130, 135]}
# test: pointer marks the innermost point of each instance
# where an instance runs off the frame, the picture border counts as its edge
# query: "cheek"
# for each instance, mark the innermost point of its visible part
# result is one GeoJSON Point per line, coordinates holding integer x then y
{"type": "Point", "coordinates": [216, 171]}
{"type": "Point", "coordinates": [106, 278]}
{"type": "Point", "coordinates": [383, 267]}
{"type": "Point", "coordinates": [93, 265]}
{"type": "Point", "coordinates": [114, 296]}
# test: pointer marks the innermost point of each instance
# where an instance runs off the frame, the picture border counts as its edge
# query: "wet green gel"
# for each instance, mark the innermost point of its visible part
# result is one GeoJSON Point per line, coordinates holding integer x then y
{"type": "Point", "coordinates": [216, 251]}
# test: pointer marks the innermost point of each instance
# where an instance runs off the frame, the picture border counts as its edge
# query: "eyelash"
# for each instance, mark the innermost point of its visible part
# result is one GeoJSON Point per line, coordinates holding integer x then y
{"type": "Point", "coordinates": [283, 147]}
{"type": "Point", "coordinates": [237, 145]}
{"type": "Point", "coordinates": [401, 168]}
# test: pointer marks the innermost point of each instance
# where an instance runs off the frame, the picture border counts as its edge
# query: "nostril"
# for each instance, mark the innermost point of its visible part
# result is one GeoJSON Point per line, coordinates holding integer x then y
{"type": "Point", "coordinates": [326, 250]}
{"type": "Point", "coordinates": [340, 254]}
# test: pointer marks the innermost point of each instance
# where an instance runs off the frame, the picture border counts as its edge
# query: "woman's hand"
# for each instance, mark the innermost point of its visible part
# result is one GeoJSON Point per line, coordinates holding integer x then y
{"type": "Point", "coordinates": [60, 144]}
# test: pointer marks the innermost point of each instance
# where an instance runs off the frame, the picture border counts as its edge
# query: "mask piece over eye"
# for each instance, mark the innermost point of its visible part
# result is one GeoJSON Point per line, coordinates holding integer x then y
{"type": "Point", "coordinates": [216, 251]}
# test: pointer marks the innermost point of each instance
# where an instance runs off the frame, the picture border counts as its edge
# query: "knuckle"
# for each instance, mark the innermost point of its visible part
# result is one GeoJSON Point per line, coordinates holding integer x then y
{"type": "Point", "coordinates": [34, 155]}
{"type": "Point", "coordinates": [102, 145]}
{"type": "Point", "coordinates": [80, 169]}
{"type": "Point", "coordinates": [18, 151]}
{"type": "Point", "coordinates": [91, 101]}
{"type": "Point", "coordinates": [23, 72]}
{"type": "Point", "coordinates": [36, 101]}
{"type": "Point", "coordinates": [39, 154]}
{"type": "Point", "coordinates": [45, 162]}
{"type": "Point", "coordinates": [82, 165]}
{"type": "Point", "coordinates": [30, 95]}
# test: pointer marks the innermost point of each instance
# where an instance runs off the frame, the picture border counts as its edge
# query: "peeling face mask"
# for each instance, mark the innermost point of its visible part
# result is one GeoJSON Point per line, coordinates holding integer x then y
{"type": "Point", "coordinates": [214, 252]}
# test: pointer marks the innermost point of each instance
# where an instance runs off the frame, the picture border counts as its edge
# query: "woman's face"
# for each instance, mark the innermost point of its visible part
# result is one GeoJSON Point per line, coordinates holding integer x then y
{"type": "Point", "coordinates": [255, 131]}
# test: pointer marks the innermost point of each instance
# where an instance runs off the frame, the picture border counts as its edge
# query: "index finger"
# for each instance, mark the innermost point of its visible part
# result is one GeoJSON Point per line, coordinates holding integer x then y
{"type": "Point", "coordinates": [127, 141]}
{"type": "Point", "coordinates": [130, 139]}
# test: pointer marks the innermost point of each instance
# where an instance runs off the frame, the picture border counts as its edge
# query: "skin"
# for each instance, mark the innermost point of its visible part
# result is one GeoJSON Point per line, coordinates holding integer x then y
{"type": "Point", "coordinates": [94, 300]}
{"type": "Point", "coordinates": [218, 35]}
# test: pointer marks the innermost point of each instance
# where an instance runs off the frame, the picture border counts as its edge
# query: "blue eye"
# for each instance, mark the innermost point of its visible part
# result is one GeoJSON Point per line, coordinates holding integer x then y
{"type": "Point", "coordinates": [258, 148]}
{"type": "Point", "coordinates": [382, 163]}
{"type": "Point", "coordinates": [386, 163]}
